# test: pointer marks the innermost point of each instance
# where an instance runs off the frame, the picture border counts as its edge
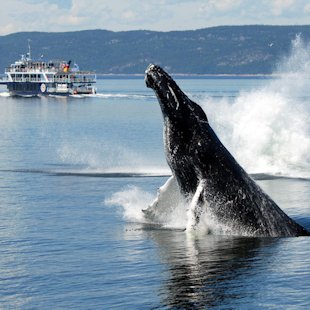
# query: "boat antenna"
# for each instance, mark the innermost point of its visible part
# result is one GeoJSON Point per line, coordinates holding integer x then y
{"type": "Point", "coordinates": [29, 50]}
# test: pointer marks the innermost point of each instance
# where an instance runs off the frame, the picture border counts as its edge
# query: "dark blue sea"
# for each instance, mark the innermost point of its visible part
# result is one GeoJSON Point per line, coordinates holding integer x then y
{"type": "Point", "coordinates": [75, 174]}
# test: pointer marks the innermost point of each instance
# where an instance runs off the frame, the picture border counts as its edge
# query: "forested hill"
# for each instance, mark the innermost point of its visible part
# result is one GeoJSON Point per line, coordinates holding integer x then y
{"type": "Point", "coordinates": [217, 50]}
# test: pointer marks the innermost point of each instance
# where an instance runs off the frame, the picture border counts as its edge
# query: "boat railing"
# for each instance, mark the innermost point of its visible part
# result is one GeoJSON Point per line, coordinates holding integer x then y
{"type": "Point", "coordinates": [73, 79]}
{"type": "Point", "coordinates": [26, 79]}
{"type": "Point", "coordinates": [31, 70]}
{"type": "Point", "coordinates": [70, 79]}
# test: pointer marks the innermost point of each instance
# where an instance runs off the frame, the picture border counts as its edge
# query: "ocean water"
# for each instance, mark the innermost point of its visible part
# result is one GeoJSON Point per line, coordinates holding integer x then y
{"type": "Point", "coordinates": [75, 174]}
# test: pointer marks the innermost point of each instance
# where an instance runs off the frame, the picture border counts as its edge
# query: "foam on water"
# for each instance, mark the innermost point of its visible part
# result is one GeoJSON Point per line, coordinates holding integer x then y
{"type": "Point", "coordinates": [4, 94]}
{"type": "Point", "coordinates": [267, 130]}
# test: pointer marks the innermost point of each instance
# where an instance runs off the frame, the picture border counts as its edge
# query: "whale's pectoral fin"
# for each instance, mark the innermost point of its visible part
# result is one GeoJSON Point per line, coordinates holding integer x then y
{"type": "Point", "coordinates": [149, 214]}
{"type": "Point", "coordinates": [168, 198]}
{"type": "Point", "coordinates": [196, 207]}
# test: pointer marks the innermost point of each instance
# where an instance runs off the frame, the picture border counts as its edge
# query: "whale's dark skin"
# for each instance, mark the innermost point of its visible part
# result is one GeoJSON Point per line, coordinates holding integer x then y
{"type": "Point", "coordinates": [205, 169]}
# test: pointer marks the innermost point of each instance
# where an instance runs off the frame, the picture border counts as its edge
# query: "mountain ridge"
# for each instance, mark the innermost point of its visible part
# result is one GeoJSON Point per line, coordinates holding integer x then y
{"type": "Point", "coordinates": [254, 49]}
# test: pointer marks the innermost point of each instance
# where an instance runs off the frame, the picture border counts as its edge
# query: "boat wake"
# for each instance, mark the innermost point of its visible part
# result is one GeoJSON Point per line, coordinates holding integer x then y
{"type": "Point", "coordinates": [83, 96]}
{"type": "Point", "coordinates": [4, 94]}
{"type": "Point", "coordinates": [122, 96]}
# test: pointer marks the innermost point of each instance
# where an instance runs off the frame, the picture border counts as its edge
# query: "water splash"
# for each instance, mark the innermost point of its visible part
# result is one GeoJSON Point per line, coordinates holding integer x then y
{"type": "Point", "coordinates": [169, 210]}
{"type": "Point", "coordinates": [267, 129]}
{"type": "Point", "coordinates": [132, 200]}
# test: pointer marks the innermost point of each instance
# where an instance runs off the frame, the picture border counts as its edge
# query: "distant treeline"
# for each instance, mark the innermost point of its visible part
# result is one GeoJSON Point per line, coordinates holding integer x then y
{"type": "Point", "coordinates": [217, 50]}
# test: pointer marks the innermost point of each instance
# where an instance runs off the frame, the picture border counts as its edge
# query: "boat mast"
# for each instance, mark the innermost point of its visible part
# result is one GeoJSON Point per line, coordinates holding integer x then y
{"type": "Point", "coordinates": [28, 55]}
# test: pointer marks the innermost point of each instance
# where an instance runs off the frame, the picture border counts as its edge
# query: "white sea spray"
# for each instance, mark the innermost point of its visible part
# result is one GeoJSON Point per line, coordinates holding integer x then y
{"type": "Point", "coordinates": [267, 129]}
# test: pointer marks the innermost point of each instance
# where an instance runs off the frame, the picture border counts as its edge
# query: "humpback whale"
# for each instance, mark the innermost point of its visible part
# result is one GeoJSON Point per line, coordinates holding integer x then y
{"type": "Point", "coordinates": [205, 174]}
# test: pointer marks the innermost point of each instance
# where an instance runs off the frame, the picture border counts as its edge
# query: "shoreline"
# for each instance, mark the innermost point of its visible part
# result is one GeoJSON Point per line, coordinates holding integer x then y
{"type": "Point", "coordinates": [188, 76]}
{"type": "Point", "coordinates": [102, 76]}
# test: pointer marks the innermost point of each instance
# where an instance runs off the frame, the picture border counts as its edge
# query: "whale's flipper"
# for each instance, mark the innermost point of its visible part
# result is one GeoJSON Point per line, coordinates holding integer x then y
{"type": "Point", "coordinates": [196, 207]}
{"type": "Point", "coordinates": [168, 198]}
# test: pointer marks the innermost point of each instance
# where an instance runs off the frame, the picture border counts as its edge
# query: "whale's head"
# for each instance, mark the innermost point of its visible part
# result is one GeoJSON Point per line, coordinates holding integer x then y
{"type": "Point", "coordinates": [185, 127]}
{"type": "Point", "coordinates": [173, 101]}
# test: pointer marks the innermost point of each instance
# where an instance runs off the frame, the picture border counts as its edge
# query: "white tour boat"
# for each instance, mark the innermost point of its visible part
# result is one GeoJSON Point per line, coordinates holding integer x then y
{"type": "Point", "coordinates": [27, 78]}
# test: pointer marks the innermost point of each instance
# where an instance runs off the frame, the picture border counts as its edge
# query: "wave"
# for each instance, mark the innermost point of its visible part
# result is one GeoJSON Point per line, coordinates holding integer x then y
{"type": "Point", "coordinates": [125, 173]}
{"type": "Point", "coordinates": [143, 172]}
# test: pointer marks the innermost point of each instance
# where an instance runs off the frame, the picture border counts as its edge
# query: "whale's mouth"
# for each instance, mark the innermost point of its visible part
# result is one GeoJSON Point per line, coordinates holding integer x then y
{"type": "Point", "coordinates": [161, 82]}
{"type": "Point", "coordinates": [169, 95]}
{"type": "Point", "coordinates": [149, 81]}
{"type": "Point", "coordinates": [153, 74]}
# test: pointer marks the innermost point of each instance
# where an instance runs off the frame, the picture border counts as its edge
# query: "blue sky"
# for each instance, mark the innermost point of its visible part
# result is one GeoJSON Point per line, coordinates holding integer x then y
{"type": "Point", "coordinates": [161, 15]}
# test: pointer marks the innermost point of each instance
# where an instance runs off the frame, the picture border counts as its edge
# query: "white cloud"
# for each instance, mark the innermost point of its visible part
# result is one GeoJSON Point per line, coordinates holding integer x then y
{"type": "Point", "coordinates": [278, 6]}
{"type": "Point", "coordinates": [16, 15]}
{"type": "Point", "coordinates": [163, 15]}
{"type": "Point", "coordinates": [224, 5]}
{"type": "Point", "coordinates": [307, 8]}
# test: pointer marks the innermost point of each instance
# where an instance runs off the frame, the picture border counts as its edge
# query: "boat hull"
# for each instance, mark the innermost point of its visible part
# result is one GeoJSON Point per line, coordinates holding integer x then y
{"type": "Point", "coordinates": [32, 89]}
